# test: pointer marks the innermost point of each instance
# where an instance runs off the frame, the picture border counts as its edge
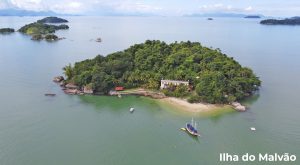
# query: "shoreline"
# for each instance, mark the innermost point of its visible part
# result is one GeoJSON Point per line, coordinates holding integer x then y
{"type": "Point", "coordinates": [184, 105]}
{"type": "Point", "coordinates": [178, 103]}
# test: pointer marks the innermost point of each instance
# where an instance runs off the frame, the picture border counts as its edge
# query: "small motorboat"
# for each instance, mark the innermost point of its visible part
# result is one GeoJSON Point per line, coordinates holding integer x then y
{"type": "Point", "coordinates": [50, 94]}
{"type": "Point", "coordinates": [131, 110]}
{"type": "Point", "coordinates": [191, 128]}
{"type": "Point", "coordinates": [98, 40]}
{"type": "Point", "coordinates": [253, 129]}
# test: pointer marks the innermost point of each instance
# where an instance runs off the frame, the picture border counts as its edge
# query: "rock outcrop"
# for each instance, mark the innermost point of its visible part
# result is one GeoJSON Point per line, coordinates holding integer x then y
{"type": "Point", "coordinates": [58, 79]}
{"type": "Point", "coordinates": [73, 91]}
{"type": "Point", "coordinates": [71, 86]}
{"type": "Point", "coordinates": [88, 90]}
{"type": "Point", "coordinates": [238, 106]}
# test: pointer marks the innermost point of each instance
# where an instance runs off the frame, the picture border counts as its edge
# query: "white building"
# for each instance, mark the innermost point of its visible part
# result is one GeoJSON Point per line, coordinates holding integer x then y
{"type": "Point", "coordinates": [165, 83]}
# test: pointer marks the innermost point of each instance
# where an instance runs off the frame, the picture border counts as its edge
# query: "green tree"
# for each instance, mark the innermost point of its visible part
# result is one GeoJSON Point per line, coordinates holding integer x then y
{"type": "Point", "coordinates": [68, 71]}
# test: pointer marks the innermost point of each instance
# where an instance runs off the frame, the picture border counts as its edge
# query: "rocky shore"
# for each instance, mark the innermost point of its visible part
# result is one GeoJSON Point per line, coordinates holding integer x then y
{"type": "Point", "coordinates": [73, 89]}
{"type": "Point", "coordinates": [239, 107]}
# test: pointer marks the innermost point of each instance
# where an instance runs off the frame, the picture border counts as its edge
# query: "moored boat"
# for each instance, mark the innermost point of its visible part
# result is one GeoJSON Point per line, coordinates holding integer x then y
{"type": "Point", "coordinates": [192, 129]}
{"type": "Point", "coordinates": [50, 94]}
{"type": "Point", "coordinates": [131, 110]}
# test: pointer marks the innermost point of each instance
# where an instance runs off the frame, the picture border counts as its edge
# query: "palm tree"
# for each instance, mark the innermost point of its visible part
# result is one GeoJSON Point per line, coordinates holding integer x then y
{"type": "Point", "coordinates": [68, 71]}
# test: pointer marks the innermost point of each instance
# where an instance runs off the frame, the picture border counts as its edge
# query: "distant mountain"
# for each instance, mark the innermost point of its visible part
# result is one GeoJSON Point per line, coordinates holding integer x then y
{"type": "Point", "coordinates": [253, 16]}
{"type": "Point", "coordinates": [234, 15]}
{"type": "Point", "coordinates": [296, 17]}
{"type": "Point", "coordinates": [19, 12]}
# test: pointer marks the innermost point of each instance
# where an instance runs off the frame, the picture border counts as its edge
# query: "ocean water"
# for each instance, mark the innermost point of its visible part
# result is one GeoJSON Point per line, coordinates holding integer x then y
{"type": "Point", "coordinates": [76, 130]}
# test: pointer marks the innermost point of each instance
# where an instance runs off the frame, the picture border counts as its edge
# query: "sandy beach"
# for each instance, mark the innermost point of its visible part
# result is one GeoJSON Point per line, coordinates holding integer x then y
{"type": "Point", "coordinates": [190, 107]}
{"type": "Point", "coordinates": [178, 103]}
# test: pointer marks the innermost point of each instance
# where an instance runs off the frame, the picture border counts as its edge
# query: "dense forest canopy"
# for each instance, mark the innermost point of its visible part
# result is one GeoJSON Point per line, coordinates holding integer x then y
{"type": "Point", "coordinates": [52, 20]}
{"type": "Point", "coordinates": [287, 21]}
{"type": "Point", "coordinates": [213, 76]}
{"type": "Point", "coordinates": [40, 28]}
{"type": "Point", "coordinates": [6, 30]}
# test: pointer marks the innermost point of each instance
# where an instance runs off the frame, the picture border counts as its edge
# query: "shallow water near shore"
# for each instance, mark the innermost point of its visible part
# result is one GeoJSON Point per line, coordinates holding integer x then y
{"type": "Point", "coordinates": [76, 130]}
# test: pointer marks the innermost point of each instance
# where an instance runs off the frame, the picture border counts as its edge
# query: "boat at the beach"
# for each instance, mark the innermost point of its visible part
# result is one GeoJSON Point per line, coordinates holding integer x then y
{"type": "Point", "coordinates": [191, 128]}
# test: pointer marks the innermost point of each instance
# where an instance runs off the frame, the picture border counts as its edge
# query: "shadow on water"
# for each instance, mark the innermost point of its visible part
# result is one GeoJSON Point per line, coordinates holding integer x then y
{"type": "Point", "coordinates": [195, 138]}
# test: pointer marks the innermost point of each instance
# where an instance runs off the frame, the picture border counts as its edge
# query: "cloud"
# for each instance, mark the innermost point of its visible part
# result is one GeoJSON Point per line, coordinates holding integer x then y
{"type": "Point", "coordinates": [71, 7]}
{"type": "Point", "coordinates": [215, 7]}
{"type": "Point", "coordinates": [60, 6]}
{"type": "Point", "coordinates": [82, 6]}
{"type": "Point", "coordinates": [219, 7]}
{"type": "Point", "coordinates": [156, 7]}
{"type": "Point", "coordinates": [125, 6]}
{"type": "Point", "coordinates": [3, 4]}
{"type": "Point", "coordinates": [27, 4]}
{"type": "Point", "coordinates": [249, 8]}
{"type": "Point", "coordinates": [136, 7]}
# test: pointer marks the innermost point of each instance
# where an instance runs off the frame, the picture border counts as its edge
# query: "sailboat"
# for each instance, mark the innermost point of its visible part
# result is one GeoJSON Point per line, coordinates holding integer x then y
{"type": "Point", "coordinates": [191, 128]}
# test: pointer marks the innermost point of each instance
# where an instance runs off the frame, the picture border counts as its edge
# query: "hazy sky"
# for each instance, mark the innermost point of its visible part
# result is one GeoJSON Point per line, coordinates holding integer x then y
{"type": "Point", "coordinates": [158, 7]}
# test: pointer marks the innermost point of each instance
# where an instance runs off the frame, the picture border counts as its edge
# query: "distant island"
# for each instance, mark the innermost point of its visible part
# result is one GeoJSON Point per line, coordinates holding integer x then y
{"type": "Point", "coordinates": [221, 14]}
{"type": "Point", "coordinates": [41, 30]}
{"type": "Point", "coordinates": [52, 20]}
{"type": "Point", "coordinates": [287, 21]}
{"type": "Point", "coordinates": [252, 16]}
{"type": "Point", "coordinates": [6, 30]}
{"type": "Point", "coordinates": [185, 70]}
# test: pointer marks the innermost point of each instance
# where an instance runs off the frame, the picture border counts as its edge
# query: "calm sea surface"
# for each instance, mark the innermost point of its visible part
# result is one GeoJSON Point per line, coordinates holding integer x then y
{"type": "Point", "coordinates": [73, 130]}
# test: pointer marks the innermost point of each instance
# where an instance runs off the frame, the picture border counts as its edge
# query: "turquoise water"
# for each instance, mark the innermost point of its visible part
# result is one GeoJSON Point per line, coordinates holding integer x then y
{"type": "Point", "coordinates": [76, 130]}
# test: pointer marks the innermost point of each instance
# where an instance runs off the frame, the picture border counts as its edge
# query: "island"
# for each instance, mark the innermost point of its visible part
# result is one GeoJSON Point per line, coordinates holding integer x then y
{"type": "Point", "coordinates": [184, 70]}
{"type": "Point", "coordinates": [51, 37]}
{"type": "Point", "coordinates": [39, 30]}
{"type": "Point", "coordinates": [6, 30]}
{"type": "Point", "coordinates": [37, 37]}
{"type": "Point", "coordinates": [253, 16]}
{"type": "Point", "coordinates": [287, 21]}
{"type": "Point", "coordinates": [52, 20]}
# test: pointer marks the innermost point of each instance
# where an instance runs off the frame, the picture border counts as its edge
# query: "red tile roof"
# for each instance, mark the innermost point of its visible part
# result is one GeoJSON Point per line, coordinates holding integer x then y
{"type": "Point", "coordinates": [119, 88]}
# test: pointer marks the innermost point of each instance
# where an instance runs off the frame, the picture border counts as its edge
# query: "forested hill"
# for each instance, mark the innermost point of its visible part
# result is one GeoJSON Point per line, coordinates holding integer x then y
{"type": "Point", "coordinates": [287, 21]}
{"type": "Point", "coordinates": [213, 76]}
